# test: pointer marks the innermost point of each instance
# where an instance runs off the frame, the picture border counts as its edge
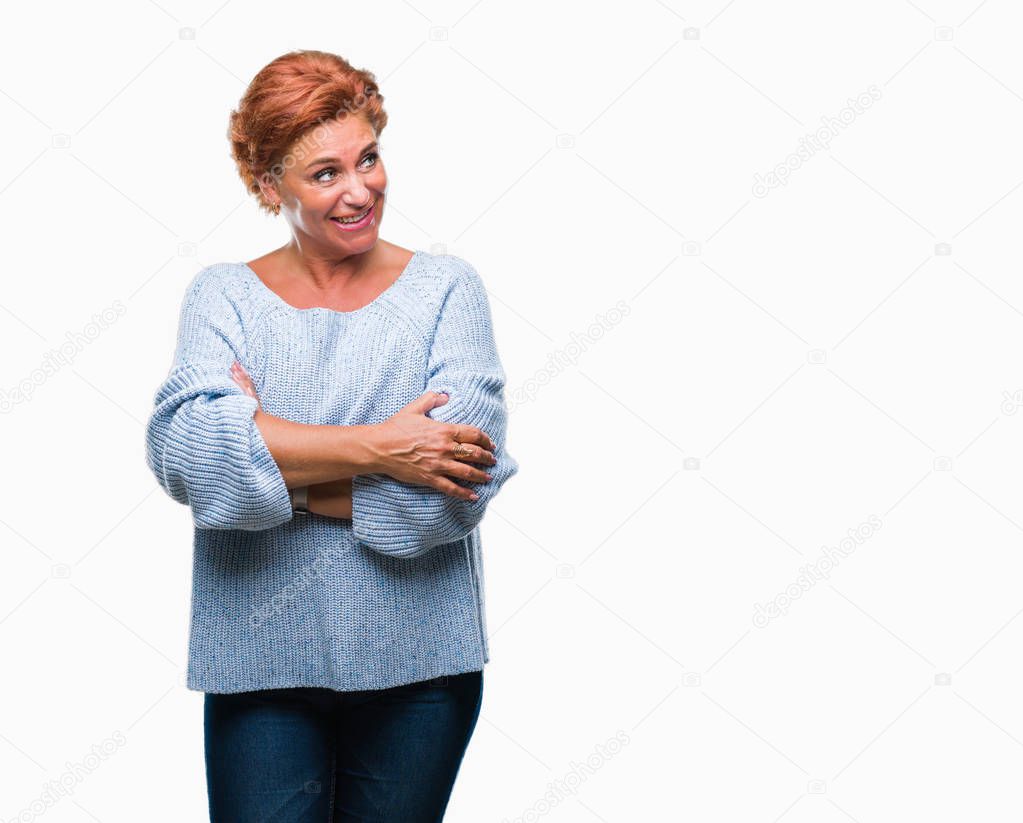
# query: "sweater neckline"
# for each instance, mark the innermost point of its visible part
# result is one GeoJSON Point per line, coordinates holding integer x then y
{"type": "Point", "coordinates": [276, 298]}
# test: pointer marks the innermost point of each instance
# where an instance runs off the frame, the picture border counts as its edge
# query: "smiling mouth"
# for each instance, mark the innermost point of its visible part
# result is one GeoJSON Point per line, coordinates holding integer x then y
{"type": "Point", "coordinates": [355, 219]}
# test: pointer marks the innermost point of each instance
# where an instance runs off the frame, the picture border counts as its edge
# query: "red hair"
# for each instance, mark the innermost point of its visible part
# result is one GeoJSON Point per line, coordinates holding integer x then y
{"type": "Point", "coordinates": [286, 101]}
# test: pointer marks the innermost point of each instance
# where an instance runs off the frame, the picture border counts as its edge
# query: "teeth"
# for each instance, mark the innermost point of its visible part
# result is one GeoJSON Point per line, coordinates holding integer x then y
{"type": "Point", "coordinates": [355, 219]}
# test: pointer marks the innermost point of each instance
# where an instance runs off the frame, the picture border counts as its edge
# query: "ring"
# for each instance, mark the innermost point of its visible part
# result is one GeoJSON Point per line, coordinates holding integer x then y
{"type": "Point", "coordinates": [461, 450]}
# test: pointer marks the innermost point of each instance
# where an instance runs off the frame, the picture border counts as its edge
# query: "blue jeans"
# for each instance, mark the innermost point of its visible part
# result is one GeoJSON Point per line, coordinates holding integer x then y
{"type": "Point", "coordinates": [319, 755]}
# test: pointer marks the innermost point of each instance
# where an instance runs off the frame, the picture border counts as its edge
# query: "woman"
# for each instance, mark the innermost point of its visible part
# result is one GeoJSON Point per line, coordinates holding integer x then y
{"type": "Point", "coordinates": [341, 651]}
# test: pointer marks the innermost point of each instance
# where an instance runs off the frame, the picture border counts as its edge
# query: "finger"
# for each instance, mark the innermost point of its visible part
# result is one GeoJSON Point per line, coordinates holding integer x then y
{"type": "Point", "coordinates": [248, 389]}
{"type": "Point", "coordinates": [471, 434]}
{"type": "Point", "coordinates": [465, 472]}
{"type": "Point", "coordinates": [425, 402]}
{"type": "Point", "coordinates": [477, 454]}
{"type": "Point", "coordinates": [455, 490]}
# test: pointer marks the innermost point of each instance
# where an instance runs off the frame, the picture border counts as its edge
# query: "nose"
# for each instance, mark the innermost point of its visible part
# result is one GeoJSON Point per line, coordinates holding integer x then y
{"type": "Point", "coordinates": [355, 195]}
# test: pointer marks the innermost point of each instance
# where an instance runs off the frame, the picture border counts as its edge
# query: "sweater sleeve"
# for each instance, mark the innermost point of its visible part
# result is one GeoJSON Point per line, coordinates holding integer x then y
{"type": "Point", "coordinates": [406, 520]}
{"type": "Point", "coordinates": [202, 442]}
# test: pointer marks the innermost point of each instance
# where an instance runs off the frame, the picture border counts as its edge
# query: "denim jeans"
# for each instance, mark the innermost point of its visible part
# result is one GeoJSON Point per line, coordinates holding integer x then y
{"type": "Point", "coordinates": [319, 755]}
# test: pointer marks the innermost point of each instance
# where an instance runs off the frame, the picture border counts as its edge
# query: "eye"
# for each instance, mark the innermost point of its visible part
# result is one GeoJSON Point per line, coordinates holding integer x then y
{"type": "Point", "coordinates": [369, 156]}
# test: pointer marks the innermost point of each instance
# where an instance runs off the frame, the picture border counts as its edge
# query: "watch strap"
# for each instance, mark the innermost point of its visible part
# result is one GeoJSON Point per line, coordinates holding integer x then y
{"type": "Point", "coordinates": [300, 500]}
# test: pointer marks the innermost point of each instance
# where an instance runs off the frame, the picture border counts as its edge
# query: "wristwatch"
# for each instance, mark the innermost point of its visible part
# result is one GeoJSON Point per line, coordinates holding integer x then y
{"type": "Point", "coordinates": [300, 500]}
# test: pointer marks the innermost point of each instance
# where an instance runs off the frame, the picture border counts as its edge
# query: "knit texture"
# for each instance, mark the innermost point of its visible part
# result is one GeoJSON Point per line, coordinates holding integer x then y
{"type": "Point", "coordinates": [396, 593]}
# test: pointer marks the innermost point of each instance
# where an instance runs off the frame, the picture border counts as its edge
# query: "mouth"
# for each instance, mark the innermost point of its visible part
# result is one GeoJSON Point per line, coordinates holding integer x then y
{"type": "Point", "coordinates": [356, 221]}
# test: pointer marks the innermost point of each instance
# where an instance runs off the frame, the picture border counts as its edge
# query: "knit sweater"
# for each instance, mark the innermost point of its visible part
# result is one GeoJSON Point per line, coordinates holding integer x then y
{"type": "Point", "coordinates": [396, 593]}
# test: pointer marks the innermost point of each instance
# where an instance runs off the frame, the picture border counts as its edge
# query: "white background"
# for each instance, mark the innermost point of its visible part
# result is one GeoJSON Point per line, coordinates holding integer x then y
{"type": "Point", "coordinates": [846, 346]}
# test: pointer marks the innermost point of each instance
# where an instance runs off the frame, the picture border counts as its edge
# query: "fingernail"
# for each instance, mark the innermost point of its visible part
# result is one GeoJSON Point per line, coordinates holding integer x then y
{"type": "Point", "coordinates": [475, 496]}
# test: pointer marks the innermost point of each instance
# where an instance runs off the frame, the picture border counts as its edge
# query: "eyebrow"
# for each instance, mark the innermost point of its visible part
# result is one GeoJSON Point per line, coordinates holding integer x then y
{"type": "Point", "coordinates": [336, 160]}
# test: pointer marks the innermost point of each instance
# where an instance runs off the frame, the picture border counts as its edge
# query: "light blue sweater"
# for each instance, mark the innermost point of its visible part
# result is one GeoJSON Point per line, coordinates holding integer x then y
{"type": "Point", "coordinates": [391, 596]}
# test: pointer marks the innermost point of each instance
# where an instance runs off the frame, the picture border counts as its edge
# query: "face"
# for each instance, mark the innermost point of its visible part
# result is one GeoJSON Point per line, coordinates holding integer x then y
{"type": "Point", "coordinates": [339, 176]}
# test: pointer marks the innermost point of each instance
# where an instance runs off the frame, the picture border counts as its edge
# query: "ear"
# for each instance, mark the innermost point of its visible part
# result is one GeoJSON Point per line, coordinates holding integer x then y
{"type": "Point", "coordinates": [268, 188]}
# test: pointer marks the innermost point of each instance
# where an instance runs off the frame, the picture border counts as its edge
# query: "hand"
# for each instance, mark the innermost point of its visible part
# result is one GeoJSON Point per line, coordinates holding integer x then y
{"type": "Point", "coordinates": [414, 448]}
{"type": "Point", "coordinates": [241, 377]}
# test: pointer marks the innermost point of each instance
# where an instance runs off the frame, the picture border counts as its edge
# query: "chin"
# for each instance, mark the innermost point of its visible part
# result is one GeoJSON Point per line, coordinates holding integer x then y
{"type": "Point", "coordinates": [358, 245]}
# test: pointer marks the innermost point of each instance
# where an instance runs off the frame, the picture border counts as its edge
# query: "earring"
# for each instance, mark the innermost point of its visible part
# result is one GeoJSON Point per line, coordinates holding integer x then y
{"type": "Point", "coordinates": [277, 208]}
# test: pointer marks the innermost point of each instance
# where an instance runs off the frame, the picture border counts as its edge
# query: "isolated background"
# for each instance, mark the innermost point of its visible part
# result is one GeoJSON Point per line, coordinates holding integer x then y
{"type": "Point", "coordinates": [793, 362]}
